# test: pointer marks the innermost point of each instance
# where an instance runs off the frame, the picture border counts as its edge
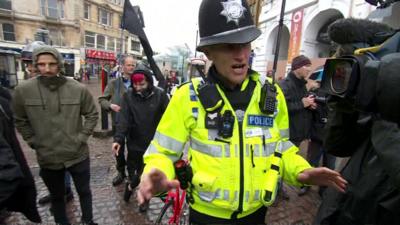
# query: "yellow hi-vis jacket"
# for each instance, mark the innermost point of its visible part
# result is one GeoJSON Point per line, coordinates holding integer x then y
{"type": "Point", "coordinates": [234, 175]}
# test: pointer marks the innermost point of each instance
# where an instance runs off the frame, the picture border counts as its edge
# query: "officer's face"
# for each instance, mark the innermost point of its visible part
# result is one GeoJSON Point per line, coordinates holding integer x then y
{"type": "Point", "coordinates": [231, 61]}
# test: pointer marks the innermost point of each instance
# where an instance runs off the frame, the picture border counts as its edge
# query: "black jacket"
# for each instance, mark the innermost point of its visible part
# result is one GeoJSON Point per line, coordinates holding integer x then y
{"type": "Point", "coordinates": [139, 117]}
{"type": "Point", "coordinates": [294, 90]}
{"type": "Point", "coordinates": [17, 187]}
{"type": "Point", "coordinates": [373, 171]}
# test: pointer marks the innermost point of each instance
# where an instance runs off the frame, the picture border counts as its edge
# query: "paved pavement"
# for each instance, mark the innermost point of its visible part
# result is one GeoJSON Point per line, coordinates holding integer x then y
{"type": "Point", "coordinates": [110, 208]}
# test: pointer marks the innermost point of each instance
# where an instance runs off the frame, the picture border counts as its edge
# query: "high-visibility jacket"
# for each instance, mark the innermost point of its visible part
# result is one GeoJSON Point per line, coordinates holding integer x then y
{"type": "Point", "coordinates": [235, 175]}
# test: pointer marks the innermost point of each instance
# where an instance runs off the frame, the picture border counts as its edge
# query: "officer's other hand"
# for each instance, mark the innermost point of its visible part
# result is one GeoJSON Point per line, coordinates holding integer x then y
{"type": "Point", "coordinates": [323, 176]}
{"type": "Point", "coordinates": [115, 148]}
{"type": "Point", "coordinates": [115, 108]}
{"type": "Point", "coordinates": [153, 183]}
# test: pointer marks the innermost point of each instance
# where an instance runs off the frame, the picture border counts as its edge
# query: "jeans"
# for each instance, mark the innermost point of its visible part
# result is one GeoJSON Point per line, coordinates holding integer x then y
{"type": "Point", "coordinates": [55, 182]}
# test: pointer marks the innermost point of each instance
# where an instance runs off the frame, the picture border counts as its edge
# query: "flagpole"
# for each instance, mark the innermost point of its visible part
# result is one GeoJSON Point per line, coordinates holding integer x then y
{"type": "Point", "coordinates": [278, 40]}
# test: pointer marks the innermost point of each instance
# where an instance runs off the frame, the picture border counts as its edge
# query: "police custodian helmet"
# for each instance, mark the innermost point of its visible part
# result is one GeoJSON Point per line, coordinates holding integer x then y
{"type": "Point", "coordinates": [225, 21]}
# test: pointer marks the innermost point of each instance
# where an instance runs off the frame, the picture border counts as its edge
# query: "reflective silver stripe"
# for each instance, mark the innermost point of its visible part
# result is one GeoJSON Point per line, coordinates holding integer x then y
{"type": "Point", "coordinates": [218, 194]}
{"type": "Point", "coordinates": [247, 150]}
{"type": "Point", "coordinates": [256, 195]}
{"type": "Point", "coordinates": [226, 195]}
{"type": "Point", "coordinates": [236, 196]}
{"type": "Point", "coordinates": [278, 147]}
{"type": "Point", "coordinates": [284, 133]}
{"type": "Point", "coordinates": [269, 149]}
{"type": "Point", "coordinates": [169, 143]}
{"type": "Point", "coordinates": [207, 196]}
{"type": "Point", "coordinates": [227, 151]}
{"type": "Point", "coordinates": [267, 134]}
{"type": "Point", "coordinates": [247, 196]}
{"type": "Point", "coordinates": [236, 151]}
{"type": "Point", "coordinates": [286, 145]}
{"type": "Point", "coordinates": [256, 151]}
{"type": "Point", "coordinates": [212, 134]}
{"type": "Point", "coordinates": [212, 150]}
{"type": "Point", "coordinates": [153, 150]}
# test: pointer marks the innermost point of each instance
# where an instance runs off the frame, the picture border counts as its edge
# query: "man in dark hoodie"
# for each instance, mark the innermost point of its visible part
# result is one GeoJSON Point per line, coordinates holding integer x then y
{"type": "Point", "coordinates": [17, 187]}
{"type": "Point", "coordinates": [142, 108]}
{"type": "Point", "coordinates": [56, 115]}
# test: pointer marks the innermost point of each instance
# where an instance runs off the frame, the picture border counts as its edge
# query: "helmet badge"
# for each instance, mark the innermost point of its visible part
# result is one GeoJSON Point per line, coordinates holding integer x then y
{"type": "Point", "coordinates": [233, 10]}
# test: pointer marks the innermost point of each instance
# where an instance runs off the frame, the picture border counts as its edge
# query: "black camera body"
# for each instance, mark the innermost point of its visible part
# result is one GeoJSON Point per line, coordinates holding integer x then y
{"type": "Point", "coordinates": [357, 77]}
{"type": "Point", "coordinates": [318, 99]}
{"type": "Point", "coordinates": [226, 124]}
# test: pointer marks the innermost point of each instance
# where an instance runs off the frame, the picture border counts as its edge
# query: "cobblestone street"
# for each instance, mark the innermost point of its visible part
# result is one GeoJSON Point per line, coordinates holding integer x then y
{"type": "Point", "coordinates": [110, 208]}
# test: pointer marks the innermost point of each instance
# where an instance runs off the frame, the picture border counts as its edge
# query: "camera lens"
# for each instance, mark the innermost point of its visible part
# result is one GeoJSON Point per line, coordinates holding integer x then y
{"type": "Point", "coordinates": [340, 76]}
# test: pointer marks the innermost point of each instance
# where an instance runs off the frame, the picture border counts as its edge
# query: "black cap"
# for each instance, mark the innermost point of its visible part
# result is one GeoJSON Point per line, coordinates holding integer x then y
{"type": "Point", "coordinates": [225, 21]}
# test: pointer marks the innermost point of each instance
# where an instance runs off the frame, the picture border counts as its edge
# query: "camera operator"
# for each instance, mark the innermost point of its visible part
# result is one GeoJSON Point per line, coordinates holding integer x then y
{"type": "Point", "coordinates": [369, 133]}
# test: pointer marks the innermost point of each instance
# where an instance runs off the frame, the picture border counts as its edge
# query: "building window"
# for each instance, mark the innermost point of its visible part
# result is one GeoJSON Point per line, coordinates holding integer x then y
{"type": "Point", "coordinates": [101, 41]}
{"type": "Point", "coordinates": [5, 4]}
{"type": "Point", "coordinates": [104, 17]}
{"type": "Point", "coordinates": [8, 32]}
{"type": "Point", "coordinates": [135, 46]}
{"type": "Point", "coordinates": [118, 45]}
{"type": "Point", "coordinates": [56, 37]}
{"type": "Point", "coordinates": [87, 11]}
{"type": "Point", "coordinates": [52, 8]}
{"type": "Point", "coordinates": [90, 39]}
{"type": "Point", "coordinates": [111, 43]}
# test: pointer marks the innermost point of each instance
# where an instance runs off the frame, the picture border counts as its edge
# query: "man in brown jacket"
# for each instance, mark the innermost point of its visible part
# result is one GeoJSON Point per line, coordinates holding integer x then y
{"type": "Point", "coordinates": [111, 101]}
{"type": "Point", "coordinates": [49, 112]}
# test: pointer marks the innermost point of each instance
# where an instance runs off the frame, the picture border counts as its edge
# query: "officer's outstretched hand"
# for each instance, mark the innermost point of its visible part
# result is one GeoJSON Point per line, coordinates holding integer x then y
{"type": "Point", "coordinates": [154, 183]}
{"type": "Point", "coordinates": [323, 176]}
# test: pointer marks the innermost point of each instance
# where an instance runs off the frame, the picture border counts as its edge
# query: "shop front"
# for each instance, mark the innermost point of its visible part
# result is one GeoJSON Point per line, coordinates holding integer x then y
{"type": "Point", "coordinates": [95, 60]}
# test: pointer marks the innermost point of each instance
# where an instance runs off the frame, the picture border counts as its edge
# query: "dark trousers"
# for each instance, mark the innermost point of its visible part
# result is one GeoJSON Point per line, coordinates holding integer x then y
{"type": "Point", "coordinates": [314, 153]}
{"type": "Point", "coordinates": [54, 180]}
{"type": "Point", "coordinates": [135, 166]}
{"type": "Point", "coordinates": [120, 158]}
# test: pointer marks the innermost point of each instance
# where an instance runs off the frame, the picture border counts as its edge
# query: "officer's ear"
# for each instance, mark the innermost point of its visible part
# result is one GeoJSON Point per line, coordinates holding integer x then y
{"type": "Point", "coordinates": [206, 51]}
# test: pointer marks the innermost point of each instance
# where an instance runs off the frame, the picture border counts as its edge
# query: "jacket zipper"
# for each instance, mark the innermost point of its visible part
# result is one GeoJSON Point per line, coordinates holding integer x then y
{"type": "Point", "coordinates": [241, 191]}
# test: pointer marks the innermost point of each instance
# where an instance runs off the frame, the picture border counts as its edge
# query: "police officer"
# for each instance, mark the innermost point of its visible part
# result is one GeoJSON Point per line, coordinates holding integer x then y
{"type": "Point", "coordinates": [238, 151]}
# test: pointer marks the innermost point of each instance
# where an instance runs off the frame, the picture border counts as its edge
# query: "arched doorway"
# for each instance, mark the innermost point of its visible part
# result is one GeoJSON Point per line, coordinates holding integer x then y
{"type": "Point", "coordinates": [316, 43]}
{"type": "Point", "coordinates": [283, 50]}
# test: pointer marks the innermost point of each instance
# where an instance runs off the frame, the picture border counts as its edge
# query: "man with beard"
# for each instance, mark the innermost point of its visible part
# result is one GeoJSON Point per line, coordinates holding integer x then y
{"type": "Point", "coordinates": [49, 114]}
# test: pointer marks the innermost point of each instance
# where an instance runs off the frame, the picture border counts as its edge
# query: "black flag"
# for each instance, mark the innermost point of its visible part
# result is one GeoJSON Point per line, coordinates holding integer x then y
{"type": "Point", "coordinates": [132, 21]}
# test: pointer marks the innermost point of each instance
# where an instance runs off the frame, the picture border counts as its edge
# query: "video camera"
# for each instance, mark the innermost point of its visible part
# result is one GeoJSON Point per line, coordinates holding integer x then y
{"type": "Point", "coordinates": [366, 76]}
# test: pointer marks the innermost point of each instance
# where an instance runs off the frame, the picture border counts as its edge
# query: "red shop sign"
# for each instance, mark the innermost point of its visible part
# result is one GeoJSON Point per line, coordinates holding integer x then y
{"type": "Point", "coordinates": [96, 54]}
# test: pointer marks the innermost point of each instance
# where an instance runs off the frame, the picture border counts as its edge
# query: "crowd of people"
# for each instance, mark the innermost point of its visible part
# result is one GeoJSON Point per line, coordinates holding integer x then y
{"type": "Point", "coordinates": [241, 135]}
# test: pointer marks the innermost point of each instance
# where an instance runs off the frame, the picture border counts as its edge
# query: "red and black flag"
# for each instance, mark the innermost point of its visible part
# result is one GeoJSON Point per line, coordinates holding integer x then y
{"type": "Point", "coordinates": [132, 21]}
